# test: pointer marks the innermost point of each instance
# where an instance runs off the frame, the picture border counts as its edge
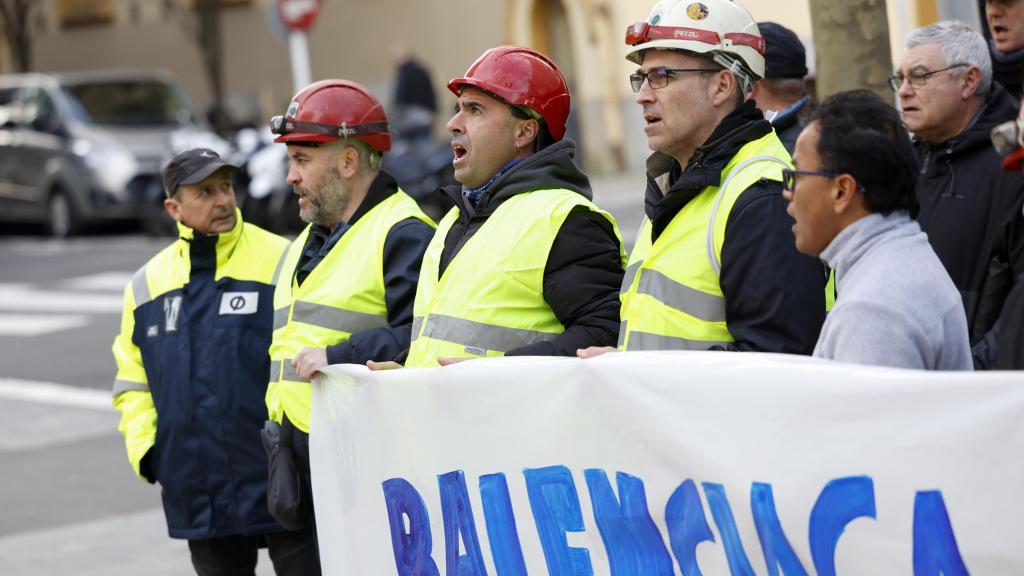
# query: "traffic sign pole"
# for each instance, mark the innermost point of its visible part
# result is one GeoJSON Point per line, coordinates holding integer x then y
{"type": "Point", "coordinates": [298, 47]}
{"type": "Point", "coordinates": [298, 16]}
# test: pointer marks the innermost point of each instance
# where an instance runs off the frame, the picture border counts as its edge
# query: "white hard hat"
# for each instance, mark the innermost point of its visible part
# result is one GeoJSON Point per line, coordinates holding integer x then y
{"type": "Point", "coordinates": [722, 29]}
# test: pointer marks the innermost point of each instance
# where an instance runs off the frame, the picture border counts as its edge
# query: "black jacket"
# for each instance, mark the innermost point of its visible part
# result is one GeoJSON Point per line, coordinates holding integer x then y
{"type": "Point", "coordinates": [998, 333]}
{"type": "Point", "coordinates": [774, 296]}
{"type": "Point", "coordinates": [966, 198]}
{"type": "Point", "coordinates": [584, 270]}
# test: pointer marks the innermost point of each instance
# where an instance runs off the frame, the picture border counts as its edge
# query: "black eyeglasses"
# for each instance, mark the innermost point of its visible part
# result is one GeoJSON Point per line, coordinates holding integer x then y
{"type": "Point", "coordinates": [789, 177]}
{"type": "Point", "coordinates": [917, 80]}
{"type": "Point", "coordinates": [659, 77]}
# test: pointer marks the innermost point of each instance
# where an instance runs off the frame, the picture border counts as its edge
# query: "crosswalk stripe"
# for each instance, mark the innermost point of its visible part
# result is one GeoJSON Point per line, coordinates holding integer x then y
{"type": "Point", "coordinates": [21, 299]}
{"type": "Point", "coordinates": [112, 280]}
{"type": "Point", "coordinates": [36, 324]}
{"type": "Point", "coordinates": [53, 393]}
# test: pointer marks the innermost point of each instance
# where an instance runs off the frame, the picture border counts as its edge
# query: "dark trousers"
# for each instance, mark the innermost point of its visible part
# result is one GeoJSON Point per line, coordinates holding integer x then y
{"type": "Point", "coordinates": [292, 552]}
{"type": "Point", "coordinates": [300, 448]}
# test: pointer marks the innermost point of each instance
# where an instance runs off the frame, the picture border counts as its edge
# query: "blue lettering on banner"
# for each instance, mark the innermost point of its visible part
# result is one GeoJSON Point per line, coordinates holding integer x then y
{"type": "Point", "coordinates": [687, 526]}
{"type": "Point", "coordinates": [841, 501]}
{"type": "Point", "coordinates": [556, 510]}
{"type": "Point", "coordinates": [935, 549]}
{"type": "Point", "coordinates": [633, 542]}
{"type": "Point", "coordinates": [458, 521]}
{"type": "Point", "coordinates": [776, 548]}
{"type": "Point", "coordinates": [501, 526]}
{"type": "Point", "coordinates": [739, 565]}
{"type": "Point", "coordinates": [412, 546]}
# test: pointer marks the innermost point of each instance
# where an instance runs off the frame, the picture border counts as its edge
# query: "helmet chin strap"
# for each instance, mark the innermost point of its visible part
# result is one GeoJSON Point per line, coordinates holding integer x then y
{"type": "Point", "coordinates": [734, 65]}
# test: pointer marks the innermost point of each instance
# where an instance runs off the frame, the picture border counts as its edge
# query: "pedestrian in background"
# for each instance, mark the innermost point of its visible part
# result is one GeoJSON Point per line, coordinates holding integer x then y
{"type": "Point", "coordinates": [1006, 25]}
{"type": "Point", "coordinates": [714, 265]}
{"type": "Point", "coordinates": [346, 285]}
{"type": "Point", "coordinates": [191, 375]}
{"type": "Point", "coordinates": [414, 104]}
{"type": "Point", "coordinates": [852, 195]}
{"type": "Point", "coordinates": [780, 94]}
{"type": "Point", "coordinates": [947, 99]}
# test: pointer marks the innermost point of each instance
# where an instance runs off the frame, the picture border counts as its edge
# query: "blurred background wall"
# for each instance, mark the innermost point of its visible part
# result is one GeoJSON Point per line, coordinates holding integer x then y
{"type": "Point", "coordinates": [357, 39]}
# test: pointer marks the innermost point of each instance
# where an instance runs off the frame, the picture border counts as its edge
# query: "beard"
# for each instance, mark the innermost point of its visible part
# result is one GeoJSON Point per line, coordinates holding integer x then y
{"type": "Point", "coordinates": [327, 200]}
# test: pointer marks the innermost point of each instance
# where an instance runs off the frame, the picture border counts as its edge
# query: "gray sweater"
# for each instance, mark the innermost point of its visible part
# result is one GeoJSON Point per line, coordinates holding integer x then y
{"type": "Point", "coordinates": [896, 305]}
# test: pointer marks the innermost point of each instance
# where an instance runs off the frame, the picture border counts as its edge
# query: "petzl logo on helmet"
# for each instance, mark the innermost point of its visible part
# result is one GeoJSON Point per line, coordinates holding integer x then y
{"type": "Point", "coordinates": [344, 131]}
{"type": "Point", "coordinates": [684, 33]}
{"type": "Point", "coordinates": [293, 108]}
{"type": "Point", "coordinates": [697, 11]}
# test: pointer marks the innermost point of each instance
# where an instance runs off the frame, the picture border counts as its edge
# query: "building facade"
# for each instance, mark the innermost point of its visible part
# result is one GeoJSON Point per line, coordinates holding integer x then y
{"type": "Point", "coordinates": [357, 39]}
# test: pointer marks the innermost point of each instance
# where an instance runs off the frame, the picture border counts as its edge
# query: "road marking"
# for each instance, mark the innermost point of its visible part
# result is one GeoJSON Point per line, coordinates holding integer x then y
{"type": "Point", "coordinates": [21, 299]}
{"type": "Point", "coordinates": [36, 324]}
{"type": "Point", "coordinates": [53, 393]}
{"type": "Point", "coordinates": [112, 280]}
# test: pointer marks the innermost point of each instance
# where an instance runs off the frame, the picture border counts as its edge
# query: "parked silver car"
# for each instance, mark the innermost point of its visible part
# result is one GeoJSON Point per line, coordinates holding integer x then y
{"type": "Point", "coordinates": [88, 146]}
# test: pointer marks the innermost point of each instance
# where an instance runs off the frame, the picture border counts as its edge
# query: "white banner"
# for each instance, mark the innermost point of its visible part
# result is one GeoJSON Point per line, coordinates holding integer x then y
{"type": "Point", "coordinates": [668, 463]}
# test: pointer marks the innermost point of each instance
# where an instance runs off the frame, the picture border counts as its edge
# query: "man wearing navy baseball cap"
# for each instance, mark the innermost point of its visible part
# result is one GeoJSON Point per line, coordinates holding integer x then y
{"type": "Point", "coordinates": [192, 364]}
{"type": "Point", "coordinates": [780, 94]}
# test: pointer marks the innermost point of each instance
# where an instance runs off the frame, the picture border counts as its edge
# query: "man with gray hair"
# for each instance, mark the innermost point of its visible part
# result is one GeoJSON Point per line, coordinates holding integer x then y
{"type": "Point", "coordinates": [949, 102]}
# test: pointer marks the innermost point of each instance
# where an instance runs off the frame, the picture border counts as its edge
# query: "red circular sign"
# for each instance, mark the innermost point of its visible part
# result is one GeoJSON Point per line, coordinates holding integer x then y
{"type": "Point", "coordinates": [298, 14]}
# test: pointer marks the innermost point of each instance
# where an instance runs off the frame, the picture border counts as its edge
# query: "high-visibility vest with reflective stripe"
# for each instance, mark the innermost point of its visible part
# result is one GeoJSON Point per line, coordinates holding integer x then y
{"type": "Point", "coordinates": [341, 296]}
{"type": "Point", "coordinates": [671, 296]}
{"type": "Point", "coordinates": [490, 298]}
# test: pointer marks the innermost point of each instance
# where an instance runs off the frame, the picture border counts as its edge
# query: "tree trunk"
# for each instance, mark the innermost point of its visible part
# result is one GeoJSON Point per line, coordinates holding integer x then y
{"type": "Point", "coordinates": [14, 16]}
{"type": "Point", "coordinates": [851, 41]}
{"type": "Point", "coordinates": [212, 47]}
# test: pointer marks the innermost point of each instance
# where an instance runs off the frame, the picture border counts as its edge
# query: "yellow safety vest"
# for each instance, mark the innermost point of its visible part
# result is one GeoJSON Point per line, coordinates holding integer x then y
{"type": "Point", "coordinates": [491, 296]}
{"type": "Point", "coordinates": [671, 296]}
{"type": "Point", "coordinates": [343, 295]}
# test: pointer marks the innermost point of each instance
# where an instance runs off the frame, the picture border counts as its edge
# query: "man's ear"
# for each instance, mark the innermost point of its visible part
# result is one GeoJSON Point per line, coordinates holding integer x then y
{"type": "Point", "coordinates": [173, 208]}
{"type": "Point", "coordinates": [349, 162]}
{"type": "Point", "coordinates": [526, 132]}
{"type": "Point", "coordinates": [722, 86]}
{"type": "Point", "coordinates": [970, 83]}
{"type": "Point", "coordinates": [845, 194]}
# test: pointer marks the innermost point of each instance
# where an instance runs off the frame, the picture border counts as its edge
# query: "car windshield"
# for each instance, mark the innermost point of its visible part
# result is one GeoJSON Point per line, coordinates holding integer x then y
{"type": "Point", "coordinates": [128, 103]}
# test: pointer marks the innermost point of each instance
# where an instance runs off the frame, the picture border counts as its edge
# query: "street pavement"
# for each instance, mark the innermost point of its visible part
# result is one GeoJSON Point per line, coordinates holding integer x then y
{"type": "Point", "coordinates": [69, 501]}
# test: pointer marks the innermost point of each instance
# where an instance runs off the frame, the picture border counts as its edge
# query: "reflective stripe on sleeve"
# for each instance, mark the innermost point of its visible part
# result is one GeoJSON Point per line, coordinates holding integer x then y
{"type": "Point", "coordinates": [140, 289]}
{"type": "Point", "coordinates": [121, 386]}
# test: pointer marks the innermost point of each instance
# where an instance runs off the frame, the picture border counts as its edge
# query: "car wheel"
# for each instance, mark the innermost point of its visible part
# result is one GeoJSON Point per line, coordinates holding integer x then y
{"type": "Point", "coordinates": [61, 219]}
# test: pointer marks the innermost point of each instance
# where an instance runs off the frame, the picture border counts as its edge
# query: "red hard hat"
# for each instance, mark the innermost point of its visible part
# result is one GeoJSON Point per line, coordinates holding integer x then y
{"type": "Point", "coordinates": [522, 77]}
{"type": "Point", "coordinates": [331, 110]}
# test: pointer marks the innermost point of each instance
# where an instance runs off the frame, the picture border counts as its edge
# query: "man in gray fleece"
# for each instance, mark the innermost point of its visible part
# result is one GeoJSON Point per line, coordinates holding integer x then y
{"type": "Point", "coordinates": [853, 199]}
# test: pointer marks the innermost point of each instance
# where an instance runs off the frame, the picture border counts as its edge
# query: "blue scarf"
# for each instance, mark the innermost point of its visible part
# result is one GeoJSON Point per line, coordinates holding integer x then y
{"type": "Point", "coordinates": [474, 194]}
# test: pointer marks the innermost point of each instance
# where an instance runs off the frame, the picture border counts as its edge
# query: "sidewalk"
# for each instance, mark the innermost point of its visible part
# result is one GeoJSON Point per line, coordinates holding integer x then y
{"type": "Point", "coordinates": [71, 504]}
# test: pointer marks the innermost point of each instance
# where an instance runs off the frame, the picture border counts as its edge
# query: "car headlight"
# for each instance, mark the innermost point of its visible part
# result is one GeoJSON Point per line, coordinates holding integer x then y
{"type": "Point", "coordinates": [112, 166]}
